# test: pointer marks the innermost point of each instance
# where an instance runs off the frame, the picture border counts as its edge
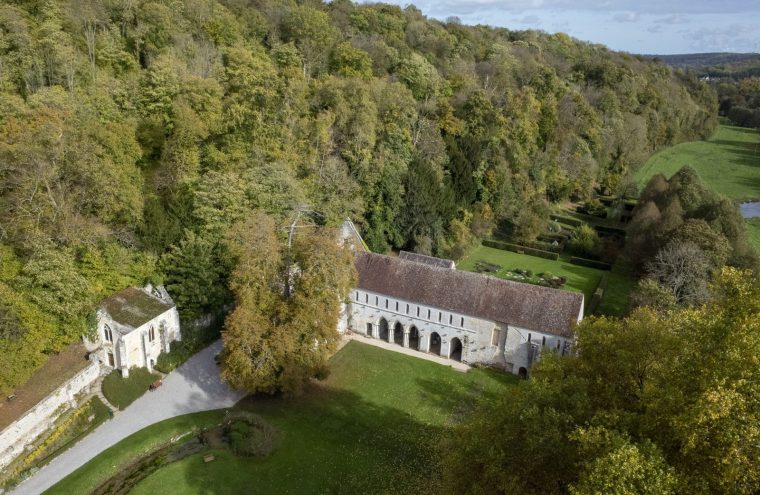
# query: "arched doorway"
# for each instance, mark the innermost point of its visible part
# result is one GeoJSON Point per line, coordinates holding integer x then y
{"type": "Point", "coordinates": [383, 334]}
{"type": "Point", "coordinates": [435, 343]}
{"type": "Point", "coordinates": [414, 339]}
{"type": "Point", "coordinates": [369, 329]}
{"type": "Point", "coordinates": [398, 334]}
{"type": "Point", "coordinates": [522, 372]}
{"type": "Point", "coordinates": [455, 349]}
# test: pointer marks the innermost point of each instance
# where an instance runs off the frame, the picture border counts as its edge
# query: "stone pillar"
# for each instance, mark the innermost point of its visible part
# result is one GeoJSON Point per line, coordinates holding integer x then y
{"type": "Point", "coordinates": [391, 332]}
{"type": "Point", "coordinates": [445, 348]}
{"type": "Point", "coordinates": [424, 342]}
{"type": "Point", "coordinates": [406, 337]}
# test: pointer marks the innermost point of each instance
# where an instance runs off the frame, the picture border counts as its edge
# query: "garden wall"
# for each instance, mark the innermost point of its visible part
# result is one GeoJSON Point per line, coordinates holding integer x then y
{"type": "Point", "coordinates": [22, 432]}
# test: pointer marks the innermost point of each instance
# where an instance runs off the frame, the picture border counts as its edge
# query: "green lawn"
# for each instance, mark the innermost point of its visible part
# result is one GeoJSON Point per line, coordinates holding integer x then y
{"type": "Point", "coordinates": [753, 230]}
{"type": "Point", "coordinates": [619, 286]}
{"type": "Point", "coordinates": [579, 278]}
{"type": "Point", "coordinates": [121, 392]}
{"type": "Point", "coordinates": [372, 427]}
{"type": "Point", "coordinates": [729, 162]}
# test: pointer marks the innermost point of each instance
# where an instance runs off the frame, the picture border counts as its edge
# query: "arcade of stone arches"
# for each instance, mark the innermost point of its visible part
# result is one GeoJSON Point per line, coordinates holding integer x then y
{"type": "Point", "coordinates": [411, 337]}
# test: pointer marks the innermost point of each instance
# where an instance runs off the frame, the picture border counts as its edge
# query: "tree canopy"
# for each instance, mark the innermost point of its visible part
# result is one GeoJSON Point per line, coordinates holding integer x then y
{"type": "Point", "coordinates": [136, 132]}
{"type": "Point", "coordinates": [658, 402]}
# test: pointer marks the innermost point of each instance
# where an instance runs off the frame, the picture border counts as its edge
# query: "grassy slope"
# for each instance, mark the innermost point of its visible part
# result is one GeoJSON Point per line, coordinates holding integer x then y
{"type": "Point", "coordinates": [579, 278]}
{"type": "Point", "coordinates": [371, 427]}
{"type": "Point", "coordinates": [729, 162]}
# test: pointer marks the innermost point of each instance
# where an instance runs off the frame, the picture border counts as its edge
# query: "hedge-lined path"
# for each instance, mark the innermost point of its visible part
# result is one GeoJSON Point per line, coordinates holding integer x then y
{"type": "Point", "coordinates": [193, 387]}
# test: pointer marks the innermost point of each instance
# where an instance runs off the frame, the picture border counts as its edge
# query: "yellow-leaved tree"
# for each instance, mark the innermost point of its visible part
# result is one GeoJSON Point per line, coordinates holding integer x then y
{"type": "Point", "coordinates": [278, 339]}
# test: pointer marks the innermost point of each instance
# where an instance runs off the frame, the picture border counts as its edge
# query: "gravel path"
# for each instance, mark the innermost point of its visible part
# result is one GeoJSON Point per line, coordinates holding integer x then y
{"type": "Point", "coordinates": [193, 387]}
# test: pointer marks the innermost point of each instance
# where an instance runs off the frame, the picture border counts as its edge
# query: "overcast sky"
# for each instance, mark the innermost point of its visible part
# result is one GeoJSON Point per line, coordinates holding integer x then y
{"type": "Point", "coordinates": [636, 26]}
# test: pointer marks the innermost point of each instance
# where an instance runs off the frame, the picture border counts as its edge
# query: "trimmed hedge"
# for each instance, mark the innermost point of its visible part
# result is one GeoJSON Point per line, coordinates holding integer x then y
{"type": "Point", "coordinates": [593, 304]}
{"type": "Point", "coordinates": [543, 246]}
{"type": "Point", "coordinates": [610, 230]}
{"type": "Point", "coordinates": [505, 246]}
{"type": "Point", "coordinates": [590, 263]}
{"type": "Point", "coordinates": [567, 220]}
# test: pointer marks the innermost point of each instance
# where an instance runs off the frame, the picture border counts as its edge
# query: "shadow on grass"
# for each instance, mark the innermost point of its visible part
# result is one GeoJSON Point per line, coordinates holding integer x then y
{"type": "Point", "coordinates": [333, 441]}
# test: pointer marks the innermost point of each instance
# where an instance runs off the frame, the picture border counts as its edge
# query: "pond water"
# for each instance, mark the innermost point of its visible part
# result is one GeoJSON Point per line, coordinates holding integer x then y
{"type": "Point", "coordinates": [750, 210]}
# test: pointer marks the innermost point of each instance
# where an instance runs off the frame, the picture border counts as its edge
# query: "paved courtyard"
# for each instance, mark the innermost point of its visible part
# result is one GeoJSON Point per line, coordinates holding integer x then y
{"type": "Point", "coordinates": [193, 387]}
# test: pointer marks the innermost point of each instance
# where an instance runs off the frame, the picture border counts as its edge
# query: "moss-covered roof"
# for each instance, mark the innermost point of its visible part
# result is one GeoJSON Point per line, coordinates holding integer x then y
{"type": "Point", "coordinates": [133, 307]}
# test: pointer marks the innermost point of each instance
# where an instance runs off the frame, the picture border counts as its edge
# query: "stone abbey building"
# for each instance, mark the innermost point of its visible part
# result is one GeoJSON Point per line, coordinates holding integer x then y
{"type": "Point", "coordinates": [424, 303]}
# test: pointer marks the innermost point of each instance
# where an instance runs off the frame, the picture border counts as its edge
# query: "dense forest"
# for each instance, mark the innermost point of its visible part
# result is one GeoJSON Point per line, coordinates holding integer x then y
{"type": "Point", "coordinates": [134, 134]}
{"type": "Point", "coordinates": [735, 77]}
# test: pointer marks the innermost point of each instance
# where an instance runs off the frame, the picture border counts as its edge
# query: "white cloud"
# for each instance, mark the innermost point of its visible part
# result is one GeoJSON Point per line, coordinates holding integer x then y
{"type": "Point", "coordinates": [626, 17]}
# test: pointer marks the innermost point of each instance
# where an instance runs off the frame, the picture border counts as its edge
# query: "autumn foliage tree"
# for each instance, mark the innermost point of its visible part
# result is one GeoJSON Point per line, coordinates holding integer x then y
{"type": "Point", "coordinates": [277, 339]}
{"type": "Point", "coordinates": [658, 402]}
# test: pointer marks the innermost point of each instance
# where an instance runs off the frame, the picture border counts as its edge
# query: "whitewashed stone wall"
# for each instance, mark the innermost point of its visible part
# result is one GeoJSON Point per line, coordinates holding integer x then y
{"type": "Point", "coordinates": [18, 435]}
{"type": "Point", "coordinates": [483, 341]}
{"type": "Point", "coordinates": [135, 348]}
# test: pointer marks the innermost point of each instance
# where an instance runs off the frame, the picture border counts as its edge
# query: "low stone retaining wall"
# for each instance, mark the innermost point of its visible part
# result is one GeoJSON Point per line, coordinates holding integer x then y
{"type": "Point", "coordinates": [22, 432]}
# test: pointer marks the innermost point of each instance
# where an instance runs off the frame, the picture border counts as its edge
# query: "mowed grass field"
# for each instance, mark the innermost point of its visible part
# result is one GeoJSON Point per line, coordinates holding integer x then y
{"type": "Point", "coordinates": [729, 162]}
{"type": "Point", "coordinates": [374, 426]}
{"type": "Point", "coordinates": [579, 278]}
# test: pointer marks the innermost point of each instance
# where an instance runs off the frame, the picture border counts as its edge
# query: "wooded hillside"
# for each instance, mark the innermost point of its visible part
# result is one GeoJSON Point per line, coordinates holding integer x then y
{"type": "Point", "coordinates": [134, 133]}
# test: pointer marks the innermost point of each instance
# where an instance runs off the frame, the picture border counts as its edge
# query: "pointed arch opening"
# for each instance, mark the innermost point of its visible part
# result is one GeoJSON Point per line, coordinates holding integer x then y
{"type": "Point", "coordinates": [414, 338]}
{"type": "Point", "coordinates": [383, 331]}
{"type": "Point", "coordinates": [435, 344]}
{"type": "Point", "coordinates": [455, 349]}
{"type": "Point", "coordinates": [398, 334]}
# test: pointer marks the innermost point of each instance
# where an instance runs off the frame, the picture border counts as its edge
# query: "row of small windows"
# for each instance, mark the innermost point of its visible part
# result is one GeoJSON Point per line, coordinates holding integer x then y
{"type": "Point", "coordinates": [429, 312]}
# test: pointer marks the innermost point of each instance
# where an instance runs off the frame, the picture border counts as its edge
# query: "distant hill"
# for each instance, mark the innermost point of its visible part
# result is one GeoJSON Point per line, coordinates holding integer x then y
{"type": "Point", "coordinates": [733, 65]}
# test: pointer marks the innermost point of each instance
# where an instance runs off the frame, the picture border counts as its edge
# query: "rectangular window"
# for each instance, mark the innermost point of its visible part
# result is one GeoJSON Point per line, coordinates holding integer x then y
{"type": "Point", "coordinates": [461, 322]}
{"type": "Point", "coordinates": [528, 337]}
{"type": "Point", "coordinates": [428, 314]}
{"type": "Point", "coordinates": [418, 311]}
{"type": "Point", "coordinates": [366, 298]}
{"type": "Point", "coordinates": [377, 301]}
{"type": "Point", "coordinates": [357, 296]}
{"type": "Point", "coordinates": [386, 304]}
{"type": "Point", "coordinates": [440, 316]}
{"type": "Point", "coordinates": [151, 334]}
{"type": "Point", "coordinates": [369, 329]}
{"type": "Point", "coordinates": [396, 305]}
{"type": "Point", "coordinates": [407, 309]}
{"type": "Point", "coordinates": [451, 319]}
{"type": "Point", "coordinates": [543, 340]}
{"type": "Point", "coordinates": [495, 336]}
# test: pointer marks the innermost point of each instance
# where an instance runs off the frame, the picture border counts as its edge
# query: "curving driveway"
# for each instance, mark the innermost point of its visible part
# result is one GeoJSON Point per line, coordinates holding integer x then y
{"type": "Point", "coordinates": [193, 387]}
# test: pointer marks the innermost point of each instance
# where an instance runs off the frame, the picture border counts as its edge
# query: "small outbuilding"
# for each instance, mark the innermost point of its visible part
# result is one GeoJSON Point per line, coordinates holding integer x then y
{"type": "Point", "coordinates": [134, 326]}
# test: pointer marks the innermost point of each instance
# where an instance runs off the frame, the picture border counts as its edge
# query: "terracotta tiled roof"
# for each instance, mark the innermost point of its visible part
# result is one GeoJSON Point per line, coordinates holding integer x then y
{"type": "Point", "coordinates": [524, 305]}
{"type": "Point", "coordinates": [133, 307]}
{"type": "Point", "coordinates": [421, 258]}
